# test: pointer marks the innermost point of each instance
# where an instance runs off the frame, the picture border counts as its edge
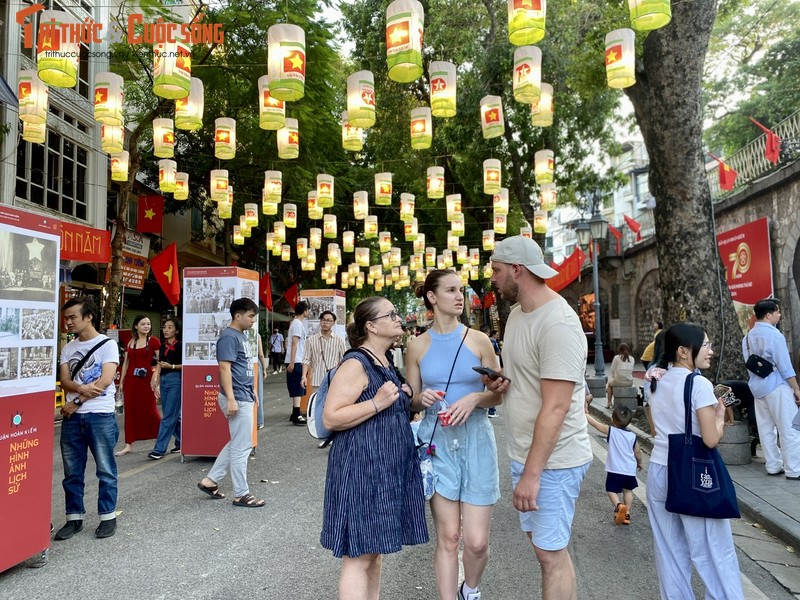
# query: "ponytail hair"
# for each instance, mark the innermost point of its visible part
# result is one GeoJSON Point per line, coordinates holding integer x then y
{"type": "Point", "coordinates": [688, 335]}
{"type": "Point", "coordinates": [431, 284]}
{"type": "Point", "coordinates": [365, 311]}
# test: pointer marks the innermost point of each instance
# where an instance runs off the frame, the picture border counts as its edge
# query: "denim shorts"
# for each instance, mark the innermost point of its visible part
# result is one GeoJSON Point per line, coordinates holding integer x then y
{"type": "Point", "coordinates": [551, 525]}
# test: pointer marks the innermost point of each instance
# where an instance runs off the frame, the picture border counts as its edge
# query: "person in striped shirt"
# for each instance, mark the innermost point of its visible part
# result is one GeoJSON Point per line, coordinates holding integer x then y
{"type": "Point", "coordinates": [323, 351]}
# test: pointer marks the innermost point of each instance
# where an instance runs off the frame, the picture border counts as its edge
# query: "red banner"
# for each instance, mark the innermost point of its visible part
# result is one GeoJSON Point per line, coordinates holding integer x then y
{"type": "Point", "coordinates": [204, 429]}
{"type": "Point", "coordinates": [746, 254]}
{"type": "Point", "coordinates": [85, 244]}
{"type": "Point", "coordinates": [568, 271]}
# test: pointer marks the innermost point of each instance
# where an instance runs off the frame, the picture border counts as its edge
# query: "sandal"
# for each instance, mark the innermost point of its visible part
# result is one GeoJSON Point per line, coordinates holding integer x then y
{"type": "Point", "coordinates": [249, 501]}
{"type": "Point", "coordinates": [211, 491]}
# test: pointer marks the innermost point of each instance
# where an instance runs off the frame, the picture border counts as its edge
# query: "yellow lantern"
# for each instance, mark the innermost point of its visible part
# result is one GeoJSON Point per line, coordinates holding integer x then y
{"type": "Point", "coordinates": [172, 70]}
{"type": "Point", "coordinates": [219, 185]}
{"type": "Point", "coordinates": [352, 136]}
{"type": "Point", "coordinates": [315, 238]}
{"type": "Point", "coordinates": [474, 257]}
{"type": "Point", "coordinates": [286, 62]}
{"type": "Point", "coordinates": [384, 241]}
{"type": "Point", "coordinates": [329, 226]}
{"type": "Point", "coordinates": [383, 189]}
{"type": "Point", "coordinates": [416, 261]}
{"type": "Point", "coordinates": [452, 240]}
{"type": "Point", "coordinates": [420, 275]}
{"type": "Point", "coordinates": [410, 230]}
{"type": "Point", "coordinates": [548, 198]}
{"type": "Point", "coordinates": [370, 227]}
{"type": "Point", "coordinates": [492, 122]}
{"type": "Point", "coordinates": [492, 180]}
{"type": "Point", "coordinates": [181, 186]}
{"type": "Point", "coordinates": [542, 110]}
{"type": "Point", "coordinates": [119, 166]}
{"type": "Point", "coordinates": [421, 128]}
{"type": "Point", "coordinates": [315, 211]}
{"type": "Point", "coordinates": [447, 258]}
{"type": "Point", "coordinates": [345, 280]}
{"type": "Point", "coordinates": [334, 254]}
{"type": "Point", "coordinates": [273, 186]}
{"type": "Point", "coordinates": [544, 166]}
{"type": "Point", "coordinates": [225, 207]}
{"type": "Point", "coordinates": [301, 247]}
{"type": "Point", "coordinates": [312, 254]}
{"type": "Point", "coordinates": [189, 110]}
{"type": "Point", "coordinates": [271, 111]}
{"type": "Point", "coordinates": [395, 274]}
{"type": "Point", "coordinates": [647, 15]}
{"type": "Point", "coordinates": [540, 221]}
{"type": "Point", "coordinates": [526, 231]}
{"type": "Point", "coordinates": [375, 272]}
{"type": "Point", "coordinates": [225, 138]}
{"type": "Point", "coordinates": [359, 281]}
{"type": "Point", "coordinates": [279, 228]}
{"type": "Point", "coordinates": [238, 236]}
{"type": "Point", "coordinates": [250, 217]}
{"type": "Point", "coordinates": [453, 202]}
{"type": "Point", "coordinates": [435, 182]}
{"type": "Point", "coordinates": [348, 241]}
{"type": "Point", "coordinates": [500, 223]}
{"type": "Point", "coordinates": [289, 140]}
{"type": "Point", "coordinates": [290, 215]}
{"type": "Point", "coordinates": [276, 251]}
{"type": "Point", "coordinates": [395, 257]}
{"type": "Point", "coordinates": [112, 138]}
{"type": "Point", "coordinates": [58, 48]}
{"type": "Point", "coordinates": [361, 99]}
{"type": "Point", "coordinates": [270, 241]}
{"type": "Point", "coordinates": [407, 204]}
{"type": "Point", "coordinates": [286, 253]}
{"type": "Point", "coordinates": [36, 133]}
{"type": "Point", "coordinates": [166, 175]}
{"type": "Point", "coordinates": [163, 138]}
{"type": "Point", "coordinates": [107, 99]}
{"type": "Point", "coordinates": [305, 265]}
{"type": "Point", "coordinates": [430, 256]}
{"type": "Point", "coordinates": [500, 202]}
{"type": "Point", "coordinates": [488, 240]}
{"type": "Point", "coordinates": [442, 75]}
{"type": "Point", "coordinates": [462, 255]}
{"type": "Point", "coordinates": [325, 190]}
{"type": "Point", "coordinates": [474, 272]}
{"type": "Point", "coordinates": [405, 21]}
{"type": "Point", "coordinates": [268, 208]}
{"type": "Point", "coordinates": [419, 243]}
{"type": "Point", "coordinates": [526, 19]}
{"type": "Point", "coordinates": [486, 273]}
{"type": "Point", "coordinates": [246, 229]}
{"type": "Point", "coordinates": [621, 58]}
{"type": "Point", "coordinates": [362, 257]}
{"type": "Point", "coordinates": [32, 96]}
{"type": "Point", "coordinates": [457, 225]}
{"type": "Point", "coordinates": [360, 205]}
{"type": "Point", "coordinates": [527, 74]}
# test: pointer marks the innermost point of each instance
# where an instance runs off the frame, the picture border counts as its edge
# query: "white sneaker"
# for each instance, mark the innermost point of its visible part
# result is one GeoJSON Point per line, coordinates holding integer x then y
{"type": "Point", "coordinates": [274, 372]}
{"type": "Point", "coordinates": [471, 596]}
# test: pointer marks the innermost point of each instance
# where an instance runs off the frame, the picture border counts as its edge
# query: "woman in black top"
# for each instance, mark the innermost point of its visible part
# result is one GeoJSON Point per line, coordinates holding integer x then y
{"type": "Point", "coordinates": [168, 372]}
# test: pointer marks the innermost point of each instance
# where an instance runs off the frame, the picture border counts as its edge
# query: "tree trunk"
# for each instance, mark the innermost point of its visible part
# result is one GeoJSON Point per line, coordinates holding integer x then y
{"type": "Point", "coordinates": [667, 102]}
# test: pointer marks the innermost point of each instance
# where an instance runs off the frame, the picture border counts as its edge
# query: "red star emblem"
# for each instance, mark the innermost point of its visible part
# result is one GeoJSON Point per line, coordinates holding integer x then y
{"type": "Point", "coordinates": [439, 85]}
{"type": "Point", "coordinates": [24, 90]}
{"type": "Point", "coordinates": [492, 116]}
{"type": "Point", "coordinates": [223, 136]}
{"type": "Point", "coordinates": [613, 54]}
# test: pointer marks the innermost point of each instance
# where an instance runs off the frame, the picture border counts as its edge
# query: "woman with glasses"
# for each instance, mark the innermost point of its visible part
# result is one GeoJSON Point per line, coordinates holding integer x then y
{"type": "Point", "coordinates": [374, 504]}
{"type": "Point", "coordinates": [466, 481]}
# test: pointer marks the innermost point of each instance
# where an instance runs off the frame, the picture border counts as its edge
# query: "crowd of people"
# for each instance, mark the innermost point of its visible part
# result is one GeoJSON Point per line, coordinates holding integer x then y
{"type": "Point", "coordinates": [38, 324]}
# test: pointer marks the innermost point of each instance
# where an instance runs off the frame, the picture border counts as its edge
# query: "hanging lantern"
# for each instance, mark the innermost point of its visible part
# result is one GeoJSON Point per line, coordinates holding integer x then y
{"type": "Point", "coordinates": [325, 190]}
{"type": "Point", "coordinates": [491, 176]}
{"type": "Point", "coordinates": [420, 275]}
{"type": "Point", "coordinates": [286, 62]}
{"type": "Point", "coordinates": [435, 182]}
{"type": "Point", "coordinates": [395, 272]}
{"type": "Point", "coordinates": [543, 166]}
{"type": "Point", "coordinates": [305, 265]}
{"type": "Point", "coordinates": [407, 203]}
{"type": "Point", "coordinates": [271, 111]}
{"type": "Point", "coordinates": [474, 272]}
{"type": "Point", "coordinates": [286, 252]}
{"type": "Point", "coordinates": [329, 226]}
{"type": "Point", "coordinates": [370, 227]}
{"type": "Point", "coordinates": [238, 236]}
{"type": "Point", "coordinates": [395, 257]}
{"type": "Point", "coordinates": [362, 257]}
{"type": "Point", "coordinates": [526, 20]}
{"type": "Point", "coordinates": [453, 202]}
{"type": "Point", "coordinates": [312, 254]}
{"type": "Point", "coordinates": [189, 110]}
{"type": "Point", "coordinates": [289, 140]}
{"type": "Point", "coordinates": [442, 75]}
{"type": "Point", "coordinates": [278, 249]}
{"type": "Point", "coordinates": [361, 99]}
{"type": "Point", "coordinates": [526, 231]}
{"type": "Point", "coordinates": [279, 228]}
{"type": "Point", "coordinates": [163, 138]}
{"type": "Point", "coordinates": [492, 122]}
{"type": "Point", "coordinates": [421, 128]}
{"type": "Point", "coordinates": [500, 223]}
{"type": "Point", "coordinates": [58, 52]}
{"type": "Point", "coordinates": [621, 58]}
{"type": "Point", "coordinates": [246, 229]}
{"type": "Point", "coordinates": [405, 21]}
{"type": "Point", "coordinates": [488, 240]}
{"type": "Point", "coordinates": [419, 243]}
{"type": "Point", "coordinates": [345, 280]}
{"type": "Point", "coordinates": [225, 207]}
{"type": "Point", "coordinates": [290, 215]}
{"type": "Point", "coordinates": [166, 175]}
{"type": "Point", "coordinates": [119, 165]}
{"type": "Point", "coordinates": [430, 256]}
{"type": "Point", "coordinates": [647, 15]}
{"type": "Point", "coordinates": [384, 241]}
{"type": "Point", "coordinates": [447, 258]}
{"type": "Point", "coordinates": [219, 185]}
{"type": "Point", "coordinates": [360, 205]}
{"type": "Point", "coordinates": [172, 70]}
{"type": "Point", "coordinates": [416, 261]}
{"type": "Point", "coordinates": [225, 138]}
{"type": "Point", "coordinates": [457, 225]}
{"type": "Point", "coordinates": [452, 240]}
{"type": "Point", "coordinates": [375, 272]}
{"type": "Point", "coordinates": [107, 99]}
{"type": "Point", "coordinates": [410, 230]}
{"type": "Point", "coordinates": [500, 202]}
{"type": "Point", "coordinates": [36, 133]}
{"type": "Point", "coordinates": [315, 238]}
{"type": "Point", "coordinates": [251, 214]}
{"type": "Point", "coordinates": [462, 255]}
{"type": "Point", "coordinates": [383, 189]}
{"type": "Point", "coordinates": [527, 74]}
{"type": "Point", "coordinates": [359, 281]}
{"type": "Point", "coordinates": [181, 186]}
{"type": "Point", "coordinates": [301, 247]}
{"type": "Point", "coordinates": [334, 254]}
{"type": "Point", "coordinates": [474, 257]}
{"type": "Point", "coordinates": [486, 272]}
{"type": "Point", "coordinates": [112, 138]}
{"type": "Point", "coordinates": [352, 136]}
{"type": "Point", "coordinates": [315, 211]}
{"type": "Point", "coordinates": [348, 241]}
{"type": "Point", "coordinates": [270, 241]}
{"type": "Point", "coordinates": [540, 221]}
{"type": "Point", "coordinates": [548, 198]}
{"type": "Point", "coordinates": [269, 208]}
{"type": "Point", "coordinates": [32, 96]}
{"type": "Point", "coordinates": [273, 186]}
{"type": "Point", "coordinates": [542, 110]}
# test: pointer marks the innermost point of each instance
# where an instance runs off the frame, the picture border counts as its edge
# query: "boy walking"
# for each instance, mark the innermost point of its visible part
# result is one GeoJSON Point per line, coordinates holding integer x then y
{"type": "Point", "coordinates": [623, 460]}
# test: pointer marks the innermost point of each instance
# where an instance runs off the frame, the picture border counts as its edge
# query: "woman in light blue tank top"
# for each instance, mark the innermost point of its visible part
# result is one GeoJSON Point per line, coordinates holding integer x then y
{"type": "Point", "coordinates": [466, 481]}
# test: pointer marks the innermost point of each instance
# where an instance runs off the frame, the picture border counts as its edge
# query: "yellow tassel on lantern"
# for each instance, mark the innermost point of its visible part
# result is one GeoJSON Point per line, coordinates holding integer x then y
{"type": "Point", "coordinates": [527, 83]}
{"type": "Point", "coordinates": [325, 190]}
{"type": "Point", "coordinates": [383, 189]}
{"type": "Point", "coordinates": [544, 166]}
{"type": "Point", "coordinates": [421, 128]}
{"type": "Point", "coordinates": [290, 215]}
{"type": "Point", "coordinates": [163, 138]}
{"type": "Point", "coordinates": [442, 75]}
{"type": "Point", "coordinates": [172, 70]}
{"type": "Point", "coordinates": [225, 138]}
{"type": "Point", "coordinates": [352, 136]}
{"type": "Point", "coordinates": [286, 62]}
{"type": "Point", "coordinates": [526, 20]}
{"type": "Point", "coordinates": [181, 186]}
{"type": "Point", "coordinates": [492, 121]}
{"type": "Point", "coordinates": [500, 202]}
{"type": "Point", "coordinates": [112, 138]}
{"type": "Point", "coordinates": [58, 49]}
{"type": "Point", "coordinates": [32, 96]}
{"type": "Point", "coordinates": [219, 185]}
{"type": "Point", "coordinates": [404, 31]}
{"type": "Point", "coordinates": [166, 175]}
{"type": "Point", "coordinates": [542, 111]}
{"type": "Point", "coordinates": [361, 99]}
{"type": "Point", "coordinates": [435, 182]}
{"type": "Point", "coordinates": [621, 58]}
{"type": "Point", "coordinates": [36, 133]}
{"type": "Point", "coordinates": [189, 110]}
{"type": "Point", "coordinates": [271, 111]}
{"type": "Point", "coordinates": [119, 166]}
{"type": "Point", "coordinates": [492, 181]}
{"type": "Point", "coordinates": [647, 15]}
{"type": "Point", "coordinates": [360, 205]}
{"type": "Point", "coordinates": [289, 140]}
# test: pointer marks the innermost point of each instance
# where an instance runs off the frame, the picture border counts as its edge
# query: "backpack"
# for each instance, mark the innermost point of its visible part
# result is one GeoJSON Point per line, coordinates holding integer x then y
{"type": "Point", "coordinates": [316, 402]}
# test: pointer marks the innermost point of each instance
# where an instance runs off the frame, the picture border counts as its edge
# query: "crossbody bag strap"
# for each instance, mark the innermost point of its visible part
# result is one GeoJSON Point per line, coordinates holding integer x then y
{"type": "Point", "coordinates": [86, 356]}
{"type": "Point", "coordinates": [687, 405]}
{"type": "Point", "coordinates": [452, 368]}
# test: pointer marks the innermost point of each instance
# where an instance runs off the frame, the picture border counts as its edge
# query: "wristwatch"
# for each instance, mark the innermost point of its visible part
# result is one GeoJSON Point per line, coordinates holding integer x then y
{"type": "Point", "coordinates": [77, 402]}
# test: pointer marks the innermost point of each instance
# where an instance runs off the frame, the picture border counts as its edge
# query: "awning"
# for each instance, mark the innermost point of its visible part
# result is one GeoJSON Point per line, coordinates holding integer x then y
{"type": "Point", "coordinates": [7, 95]}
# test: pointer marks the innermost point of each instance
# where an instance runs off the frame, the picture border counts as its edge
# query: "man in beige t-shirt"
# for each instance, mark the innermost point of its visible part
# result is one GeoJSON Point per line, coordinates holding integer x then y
{"type": "Point", "coordinates": [544, 356]}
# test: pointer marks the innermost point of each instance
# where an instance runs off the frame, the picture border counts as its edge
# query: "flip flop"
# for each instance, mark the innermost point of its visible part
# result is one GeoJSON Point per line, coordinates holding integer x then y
{"type": "Point", "coordinates": [249, 501]}
{"type": "Point", "coordinates": [122, 452]}
{"type": "Point", "coordinates": [211, 491]}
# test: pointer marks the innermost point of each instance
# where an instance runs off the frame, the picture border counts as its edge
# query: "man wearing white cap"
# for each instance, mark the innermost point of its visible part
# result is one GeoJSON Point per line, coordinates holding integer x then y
{"type": "Point", "coordinates": [544, 357]}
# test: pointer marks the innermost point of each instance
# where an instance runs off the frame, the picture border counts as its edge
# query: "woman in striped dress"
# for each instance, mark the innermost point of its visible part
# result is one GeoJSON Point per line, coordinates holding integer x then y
{"type": "Point", "coordinates": [374, 502]}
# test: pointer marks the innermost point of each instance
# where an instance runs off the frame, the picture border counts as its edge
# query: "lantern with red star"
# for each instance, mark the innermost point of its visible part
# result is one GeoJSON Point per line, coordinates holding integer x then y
{"type": "Point", "coordinates": [289, 140]}
{"type": "Point", "coordinates": [492, 122]}
{"type": "Point", "coordinates": [108, 99]}
{"type": "Point", "coordinates": [58, 49]}
{"type": "Point", "coordinates": [286, 62]}
{"type": "Point", "coordinates": [405, 20]}
{"type": "Point", "coordinates": [119, 166]}
{"type": "Point", "coordinates": [435, 182]}
{"type": "Point", "coordinates": [442, 75]}
{"type": "Point", "coordinates": [361, 99]}
{"type": "Point", "coordinates": [526, 20]}
{"type": "Point", "coordinates": [620, 58]}
{"type": "Point", "coordinates": [383, 189]}
{"type": "Point", "coordinates": [189, 110]}
{"type": "Point", "coordinates": [527, 78]}
{"type": "Point", "coordinates": [271, 111]}
{"type": "Point", "coordinates": [225, 138]}
{"type": "Point", "coordinates": [492, 180]}
{"type": "Point", "coordinates": [544, 166]}
{"type": "Point", "coordinates": [542, 110]}
{"type": "Point", "coordinates": [163, 138]}
{"type": "Point", "coordinates": [421, 128]}
{"type": "Point", "coordinates": [32, 96]}
{"type": "Point", "coordinates": [172, 70]}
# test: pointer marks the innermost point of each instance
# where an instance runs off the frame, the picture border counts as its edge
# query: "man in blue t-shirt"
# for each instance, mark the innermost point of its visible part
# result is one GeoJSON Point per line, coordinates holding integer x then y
{"type": "Point", "coordinates": [236, 397]}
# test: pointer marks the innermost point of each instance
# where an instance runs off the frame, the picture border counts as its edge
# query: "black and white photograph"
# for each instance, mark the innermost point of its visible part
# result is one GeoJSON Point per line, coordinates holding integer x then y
{"type": "Point", "coordinates": [319, 304]}
{"type": "Point", "coordinates": [208, 294]}
{"type": "Point", "coordinates": [26, 271]}
{"type": "Point", "coordinates": [36, 362]}
{"type": "Point", "coordinates": [197, 351]}
{"type": "Point", "coordinates": [209, 327]}
{"type": "Point", "coordinates": [38, 324]}
{"type": "Point", "coordinates": [9, 323]}
{"type": "Point", "coordinates": [249, 291]}
{"type": "Point", "coordinates": [9, 364]}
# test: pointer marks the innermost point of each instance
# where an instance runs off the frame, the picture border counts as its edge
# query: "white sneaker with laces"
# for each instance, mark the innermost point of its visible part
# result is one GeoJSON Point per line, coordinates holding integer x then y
{"type": "Point", "coordinates": [471, 596]}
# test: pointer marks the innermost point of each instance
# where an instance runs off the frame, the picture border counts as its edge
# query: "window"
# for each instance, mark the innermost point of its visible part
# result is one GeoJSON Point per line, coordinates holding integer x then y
{"type": "Point", "coordinates": [198, 225]}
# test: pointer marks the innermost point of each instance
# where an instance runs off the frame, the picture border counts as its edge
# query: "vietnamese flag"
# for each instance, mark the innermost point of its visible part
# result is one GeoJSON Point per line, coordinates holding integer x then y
{"type": "Point", "coordinates": [397, 35]}
{"type": "Point", "coordinates": [613, 54]}
{"type": "Point", "coordinates": [265, 290]}
{"type": "Point", "coordinates": [150, 214]}
{"type": "Point", "coordinates": [101, 95]}
{"type": "Point", "coordinates": [294, 139]}
{"type": "Point", "coordinates": [292, 295]}
{"type": "Point", "coordinates": [492, 116]}
{"type": "Point", "coordinates": [223, 136]}
{"type": "Point", "coordinates": [527, 5]}
{"type": "Point", "coordinates": [418, 126]}
{"type": "Point", "coordinates": [184, 62]}
{"type": "Point", "coordinates": [386, 188]}
{"type": "Point", "coordinates": [270, 101]}
{"type": "Point", "coordinates": [634, 226]}
{"type": "Point", "coordinates": [772, 149]}
{"type": "Point", "coordinates": [168, 137]}
{"type": "Point", "coordinates": [165, 270]}
{"type": "Point", "coordinates": [727, 176]}
{"type": "Point", "coordinates": [51, 39]}
{"type": "Point", "coordinates": [294, 62]}
{"type": "Point", "coordinates": [368, 97]}
{"type": "Point", "coordinates": [617, 234]}
{"type": "Point", "coordinates": [24, 90]}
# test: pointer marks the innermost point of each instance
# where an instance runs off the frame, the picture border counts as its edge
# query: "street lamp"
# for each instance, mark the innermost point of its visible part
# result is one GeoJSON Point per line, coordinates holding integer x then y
{"type": "Point", "coordinates": [591, 233]}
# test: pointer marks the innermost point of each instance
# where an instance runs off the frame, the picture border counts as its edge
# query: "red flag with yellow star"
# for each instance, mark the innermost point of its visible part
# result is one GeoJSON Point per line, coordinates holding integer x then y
{"type": "Point", "coordinates": [165, 270]}
{"type": "Point", "coordinates": [150, 214]}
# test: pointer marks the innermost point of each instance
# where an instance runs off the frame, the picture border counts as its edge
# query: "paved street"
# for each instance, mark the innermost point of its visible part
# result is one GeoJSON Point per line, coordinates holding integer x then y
{"type": "Point", "coordinates": [174, 542]}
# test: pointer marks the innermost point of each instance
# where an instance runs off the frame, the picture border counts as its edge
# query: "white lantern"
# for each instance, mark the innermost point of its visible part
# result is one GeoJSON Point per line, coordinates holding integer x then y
{"type": "Point", "coordinates": [225, 207]}
{"type": "Point", "coordinates": [219, 185]}
{"type": "Point", "coordinates": [384, 241]}
{"type": "Point", "coordinates": [457, 225]}
{"type": "Point", "coordinates": [447, 258]}
{"type": "Point", "coordinates": [329, 226]}
{"type": "Point", "coordinates": [112, 138]}
{"type": "Point", "coordinates": [488, 240]}
{"type": "Point", "coordinates": [453, 202]}
{"type": "Point", "coordinates": [544, 166]}
{"type": "Point", "coordinates": [107, 99]}
{"type": "Point", "coordinates": [273, 186]}
{"type": "Point", "coordinates": [621, 58]}
{"type": "Point", "coordinates": [286, 252]}
{"type": "Point", "coordinates": [540, 221]}
{"type": "Point", "coordinates": [370, 227]}
{"type": "Point", "coordinates": [189, 110]}
{"type": "Point", "coordinates": [500, 202]}
{"type": "Point", "coordinates": [286, 62]}
{"type": "Point", "coordinates": [526, 231]}
{"type": "Point", "coordinates": [279, 228]}
{"type": "Point", "coordinates": [417, 261]}
{"type": "Point", "coordinates": [325, 190]}
{"type": "Point", "coordinates": [527, 74]}
{"type": "Point", "coordinates": [548, 198]}
{"type": "Point", "coordinates": [348, 241]}
{"type": "Point", "coordinates": [172, 70]}
{"type": "Point", "coordinates": [289, 140]}
{"type": "Point", "coordinates": [435, 182]}
{"type": "Point", "coordinates": [360, 205]}
{"type": "Point", "coordinates": [442, 75]}
{"type": "Point", "coordinates": [163, 138]}
{"type": "Point", "coordinates": [32, 96]}
{"type": "Point", "coordinates": [246, 229]}
{"type": "Point", "coordinates": [474, 257]}
{"type": "Point", "coordinates": [526, 19]}
{"type": "Point", "coordinates": [405, 20]}
{"type": "Point", "coordinates": [119, 166]}
{"type": "Point", "coordinates": [290, 215]}
{"type": "Point", "coordinates": [312, 254]}
{"type": "Point", "coordinates": [270, 241]}
{"type": "Point", "coordinates": [269, 208]}
{"type": "Point", "coordinates": [452, 240]}
{"type": "Point", "coordinates": [383, 189]}
{"type": "Point", "coordinates": [410, 230]}
{"type": "Point", "coordinates": [166, 175]}
{"type": "Point", "coordinates": [271, 111]}
{"type": "Point", "coordinates": [421, 128]}
{"type": "Point", "coordinates": [334, 254]}
{"type": "Point", "coordinates": [301, 246]}
{"type": "Point", "coordinates": [492, 180]}
{"type": "Point", "coordinates": [407, 204]}
{"type": "Point", "coordinates": [492, 122]}
{"type": "Point", "coordinates": [361, 99]}
{"type": "Point", "coordinates": [181, 186]}
{"type": "Point", "coordinates": [36, 133]}
{"type": "Point", "coordinates": [395, 257]}
{"type": "Point", "coordinates": [315, 211]}
{"type": "Point", "coordinates": [315, 238]}
{"type": "Point", "coordinates": [238, 236]}
{"type": "Point", "coordinates": [362, 257]}
{"type": "Point", "coordinates": [462, 255]}
{"type": "Point", "coordinates": [419, 243]}
{"type": "Point", "coordinates": [430, 256]}
{"type": "Point", "coordinates": [352, 136]}
{"type": "Point", "coordinates": [57, 50]}
{"type": "Point", "coordinates": [542, 110]}
{"type": "Point", "coordinates": [500, 223]}
{"type": "Point", "coordinates": [225, 138]}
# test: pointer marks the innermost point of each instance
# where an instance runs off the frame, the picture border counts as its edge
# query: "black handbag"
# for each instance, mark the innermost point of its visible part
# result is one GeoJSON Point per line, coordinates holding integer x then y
{"type": "Point", "coordinates": [698, 483]}
{"type": "Point", "coordinates": [757, 365]}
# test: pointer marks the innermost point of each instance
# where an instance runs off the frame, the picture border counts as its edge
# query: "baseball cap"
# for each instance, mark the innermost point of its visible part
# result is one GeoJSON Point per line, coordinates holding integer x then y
{"type": "Point", "coordinates": [518, 250]}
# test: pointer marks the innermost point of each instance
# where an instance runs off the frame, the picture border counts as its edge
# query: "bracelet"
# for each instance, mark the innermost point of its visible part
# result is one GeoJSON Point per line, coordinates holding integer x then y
{"type": "Point", "coordinates": [375, 405]}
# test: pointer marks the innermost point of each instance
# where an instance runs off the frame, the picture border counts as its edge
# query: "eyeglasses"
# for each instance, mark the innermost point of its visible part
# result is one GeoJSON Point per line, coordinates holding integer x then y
{"type": "Point", "coordinates": [392, 315]}
{"type": "Point", "coordinates": [708, 345]}
{"type": "Point", "coordinates": [327, 321]}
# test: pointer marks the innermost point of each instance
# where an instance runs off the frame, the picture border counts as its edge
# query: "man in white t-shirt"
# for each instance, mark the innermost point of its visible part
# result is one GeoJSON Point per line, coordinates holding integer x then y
{"type": "Point", "coordinates": [90, 421]}
{"type": "Point", "coordinates": [544, 357]}
{"type": "Point", "coordinates": [295, 349]}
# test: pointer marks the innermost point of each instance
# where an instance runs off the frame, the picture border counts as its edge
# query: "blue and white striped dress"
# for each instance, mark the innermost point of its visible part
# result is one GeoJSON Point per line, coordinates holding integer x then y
{"type": "Point", "coordinates": [374, 502]}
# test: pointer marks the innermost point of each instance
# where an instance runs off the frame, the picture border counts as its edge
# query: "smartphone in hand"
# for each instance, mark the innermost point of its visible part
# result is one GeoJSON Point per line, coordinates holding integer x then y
{"type": "Point", "coordinates": [490, 373]}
